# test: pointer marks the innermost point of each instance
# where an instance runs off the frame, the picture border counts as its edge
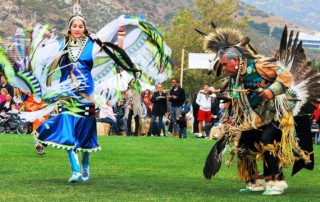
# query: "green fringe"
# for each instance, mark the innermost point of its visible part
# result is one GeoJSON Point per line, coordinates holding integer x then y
{"type": "Point", "coordinates": [89, 150]}
{"type": "Point", "coordinates": [58, 146]}
{"type": "Point", "coordinates": [67, 147]}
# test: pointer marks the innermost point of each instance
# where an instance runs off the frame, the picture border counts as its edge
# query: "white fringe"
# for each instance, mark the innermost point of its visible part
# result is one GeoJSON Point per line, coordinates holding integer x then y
{"type": "Point", "coordinates": [32, 116]}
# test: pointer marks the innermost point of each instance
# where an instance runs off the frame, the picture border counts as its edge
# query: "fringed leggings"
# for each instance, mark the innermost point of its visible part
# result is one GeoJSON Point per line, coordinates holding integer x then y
{"type": "Point", "coordinates": [248, 142]}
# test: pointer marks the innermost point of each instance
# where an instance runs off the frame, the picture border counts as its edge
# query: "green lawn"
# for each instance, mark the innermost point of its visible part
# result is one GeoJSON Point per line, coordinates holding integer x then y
{"type": "Point", "coordinates": [134, 169]}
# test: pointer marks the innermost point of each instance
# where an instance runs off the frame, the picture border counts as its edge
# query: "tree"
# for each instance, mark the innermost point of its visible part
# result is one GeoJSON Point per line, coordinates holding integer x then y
{"type": "Point", "coordinates": [182, 35]}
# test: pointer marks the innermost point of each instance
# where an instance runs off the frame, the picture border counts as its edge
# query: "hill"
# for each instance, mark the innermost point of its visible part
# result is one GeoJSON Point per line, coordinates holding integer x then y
{"type": "Point", "coordinates": [264, 28]}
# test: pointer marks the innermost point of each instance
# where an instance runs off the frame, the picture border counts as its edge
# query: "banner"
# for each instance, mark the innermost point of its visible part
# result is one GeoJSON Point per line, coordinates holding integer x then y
{"type": "Point", "coordinates": [200, 60]}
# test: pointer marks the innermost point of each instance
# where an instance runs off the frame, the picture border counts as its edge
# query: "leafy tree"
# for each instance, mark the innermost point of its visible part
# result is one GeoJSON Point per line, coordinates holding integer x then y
{"type": "Point", "coordinates": [182, 35]}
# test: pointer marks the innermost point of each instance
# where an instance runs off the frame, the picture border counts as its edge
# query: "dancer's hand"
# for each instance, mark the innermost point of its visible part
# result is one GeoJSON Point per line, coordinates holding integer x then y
{"type": "Point", "coordinates": [266, 94]}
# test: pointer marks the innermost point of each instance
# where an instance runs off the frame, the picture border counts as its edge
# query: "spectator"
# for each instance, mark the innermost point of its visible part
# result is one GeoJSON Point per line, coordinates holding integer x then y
{"type": "Point", "coordinates": [3, 114]}
{"type": "Point", "coordinates": [119, 111]}
{"type": "Point", "coordinates": [107, 116]}
{"type": "Point", "coordinates": [182, 122]}
{"type": "Point", "coordinates": [146, 99]}
{"type": "Point", "coordinates": [177, 98]}
{"type": "Point", "coordinates": [159, 100]}
{"type": "Point", "coordinates": [14, 109]}
{"type": "Point", "coordinates": [3, 94]}
{"type": "Point", "coordinates": [215, 130]}
{"type": "Point", "coordinates": [6, 105]}
{"type": "Point", "coordinates": [17, 95]}
{"type": "Point", "coordinates": [133, 110]}
{"type": "Point", "coordinates": [195, 110]}
{"type": "Point", "coordinates": [204, 113]}
{"type": "Point", "coordinates": [214, 111]}
{"type": "Point", "coordinates": [6, 85]}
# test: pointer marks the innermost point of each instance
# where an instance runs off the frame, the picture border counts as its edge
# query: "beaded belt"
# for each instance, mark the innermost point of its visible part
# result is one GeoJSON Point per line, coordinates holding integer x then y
{"type": "Point", "coordinates": [86, 110]}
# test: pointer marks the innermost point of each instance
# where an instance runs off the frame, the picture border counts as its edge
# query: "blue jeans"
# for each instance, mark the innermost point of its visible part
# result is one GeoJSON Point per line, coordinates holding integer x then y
{"type": "Point", "coordinates": [183, 132]}
{"type": "Point", "coordinates": [112, 123]}
{"type": "Point", "coordinates": [121, 123]}
{"type": "Point", "coordinates": [157, 125]}
{"type": "Point", "coordinates": [174, 111]}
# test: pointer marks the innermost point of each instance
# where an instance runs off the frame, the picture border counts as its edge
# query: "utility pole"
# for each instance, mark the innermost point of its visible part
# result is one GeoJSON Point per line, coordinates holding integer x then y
{"type": "Point", "coordinates": [181, 74]}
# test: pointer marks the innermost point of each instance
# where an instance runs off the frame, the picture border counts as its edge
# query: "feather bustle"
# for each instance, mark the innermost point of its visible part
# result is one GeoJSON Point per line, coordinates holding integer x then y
{"type": "Point", "coordinates": [214, 158]}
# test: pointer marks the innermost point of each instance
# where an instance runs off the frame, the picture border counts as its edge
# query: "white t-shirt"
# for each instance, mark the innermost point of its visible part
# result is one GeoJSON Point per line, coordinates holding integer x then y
{"type": "Point", "coordinates": [204, 101]}
{"type": "Point", "coordinates": [107, 111]}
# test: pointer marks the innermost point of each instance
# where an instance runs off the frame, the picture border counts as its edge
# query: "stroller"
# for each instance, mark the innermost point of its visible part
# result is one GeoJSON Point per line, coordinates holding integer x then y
{"type": "Point", "coordinates": [11, 123]}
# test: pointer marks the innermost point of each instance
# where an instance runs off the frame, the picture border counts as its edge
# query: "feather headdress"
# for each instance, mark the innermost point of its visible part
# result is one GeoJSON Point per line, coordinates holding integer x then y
{"type": "Point", "coordinates": [222, 38]}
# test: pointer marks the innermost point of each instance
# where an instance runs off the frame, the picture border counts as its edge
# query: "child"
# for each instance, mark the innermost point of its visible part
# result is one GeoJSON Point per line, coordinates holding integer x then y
{"type": "Point", "coordinates": [14, 109]}
{"type": "Point", "coordinates": [182, 122]}
{"type": "Point", "coordinates": [3, 114]}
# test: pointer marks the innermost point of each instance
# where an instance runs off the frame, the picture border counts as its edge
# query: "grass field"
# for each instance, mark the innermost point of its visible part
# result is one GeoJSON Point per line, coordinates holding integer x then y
{"type": "Point", "coordinates": [134, 169]}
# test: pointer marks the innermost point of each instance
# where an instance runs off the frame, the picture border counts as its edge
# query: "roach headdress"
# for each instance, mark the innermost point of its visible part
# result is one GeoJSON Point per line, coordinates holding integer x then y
{"type": "Point", "coordinates": [222, 38]}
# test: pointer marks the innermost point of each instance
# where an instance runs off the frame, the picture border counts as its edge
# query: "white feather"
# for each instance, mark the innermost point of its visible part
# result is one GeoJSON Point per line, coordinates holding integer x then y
{"type": "Point", "coordinates": [32, 116]}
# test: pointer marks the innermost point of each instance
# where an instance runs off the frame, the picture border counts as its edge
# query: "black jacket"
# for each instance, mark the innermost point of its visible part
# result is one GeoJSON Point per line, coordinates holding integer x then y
{"type": "Point", "coordinates": [181, 97]}
{"type": "Point", "coordinates": [9, 88]}
{"type": "Point", "coordinates": [2, 107]}
{"type": "Point", "coordinates": [182, 122]}
{"type": "Point", "coordinates": [159, 104]}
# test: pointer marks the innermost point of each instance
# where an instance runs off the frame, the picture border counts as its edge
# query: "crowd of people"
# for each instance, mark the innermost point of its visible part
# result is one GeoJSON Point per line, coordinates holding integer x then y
{"type": "Point", "coordinates": [159, 113]}
{"type": "Point", "coordinates": [147, 113]}
{"type": "Point", "coordinates": [10, 97]}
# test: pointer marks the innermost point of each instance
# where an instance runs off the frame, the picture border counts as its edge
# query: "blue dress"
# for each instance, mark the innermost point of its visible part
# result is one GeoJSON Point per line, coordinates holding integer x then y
{"type": "Point", "coordinates": [75, 125]}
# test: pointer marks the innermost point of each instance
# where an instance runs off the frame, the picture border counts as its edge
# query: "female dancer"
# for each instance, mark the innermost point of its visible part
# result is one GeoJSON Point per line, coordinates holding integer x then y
{"type": "Point", "coordinates": [74, 128]}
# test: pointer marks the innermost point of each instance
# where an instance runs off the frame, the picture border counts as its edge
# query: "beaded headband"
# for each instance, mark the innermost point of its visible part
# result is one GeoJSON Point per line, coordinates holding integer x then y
{"type": "Point", "coordinates": [77, 17]}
